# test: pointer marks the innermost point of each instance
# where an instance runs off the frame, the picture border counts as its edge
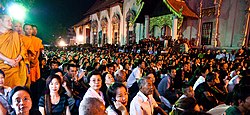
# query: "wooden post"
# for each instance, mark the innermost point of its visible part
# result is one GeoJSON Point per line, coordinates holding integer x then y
{"type": "Point", "coordinates": [199, 25]}
{"type": "Point", "coordinates": [246, 35]}
{"type": "Point", "coordinates": [216, 37]}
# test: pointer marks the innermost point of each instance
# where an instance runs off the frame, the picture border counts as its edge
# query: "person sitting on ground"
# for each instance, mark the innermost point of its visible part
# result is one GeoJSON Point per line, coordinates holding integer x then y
{"type": "Point", "coordinates": [187, 92]}
{"type": "Point", "coordinates": [241, 99]}
{"type": "Point", "coordinates": [120, 76]}
{"type": "Point", "coordinates": [185, 104]}
{"type": "Point", "coordinates": [166, 87]}
{"type": "Point", "coordinates": [118, 99]}
{"type": "Point", "coordinates": [53, 102]}
{"type": "Point", "coordinates": [20, 100]}
{"type": "Point", "coordinates": [4, 91]}
{"type": "Point", "coordinates": [143, 102]}
{"type": "Point", "coordinates": [92, 106]}
{"type": "Point", "coordinates": [136, 73]}
{"type": "Point", "coordinates": [204, 93]}
{"type": "Point", "coordinates": [95, 83]}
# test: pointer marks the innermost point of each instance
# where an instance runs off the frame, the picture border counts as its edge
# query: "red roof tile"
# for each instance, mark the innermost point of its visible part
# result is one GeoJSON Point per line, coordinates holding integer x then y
{"type": "Point", "coordinates": [177, 5]}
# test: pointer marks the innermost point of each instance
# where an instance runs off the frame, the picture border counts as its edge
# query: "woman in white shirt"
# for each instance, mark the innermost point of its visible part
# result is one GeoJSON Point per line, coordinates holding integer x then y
{"type": "Point", "coordinates": [95, 82]}
{"type": "Point", "coordinates": [118, 99]}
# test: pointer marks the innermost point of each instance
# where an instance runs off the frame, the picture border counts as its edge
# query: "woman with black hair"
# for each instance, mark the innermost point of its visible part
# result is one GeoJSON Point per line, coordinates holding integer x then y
{"type": "Point", "coordinates": [20, 100]}
{"type": "Point", "coordinates": [117, 95]}
{"type": "Point", "coordinates": [94, 91]}
{"type": "Point", "coordinates": [53, 102]}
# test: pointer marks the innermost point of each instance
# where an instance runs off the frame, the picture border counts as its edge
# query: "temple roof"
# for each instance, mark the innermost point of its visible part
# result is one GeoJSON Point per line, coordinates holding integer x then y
{"type": "Point", "coordinates": [181, 6]}
{"type": "Point", "coordinates": [83, 22]}
{"type": "Point", "coordinates": [153, 8]}
{"type": "Point", "coordinates": [101, 5]}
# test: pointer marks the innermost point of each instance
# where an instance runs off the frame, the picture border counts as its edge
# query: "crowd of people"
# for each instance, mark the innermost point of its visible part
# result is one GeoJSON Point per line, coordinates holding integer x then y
{"type": "Point", "coordinates": [138, 79]}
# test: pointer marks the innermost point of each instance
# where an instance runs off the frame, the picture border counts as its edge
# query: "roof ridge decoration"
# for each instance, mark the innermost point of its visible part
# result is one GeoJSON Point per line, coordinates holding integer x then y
{"type": "Point", "coordinates": [130, 15]}
{"type": "Point", "coordinates": [141, 3]}
{"type": "Point", "coordinates": [138, 2]}
{"type": "Point", "coordinates": [180, 9]}
{"type": "Point", "coordinates": [178, 14]}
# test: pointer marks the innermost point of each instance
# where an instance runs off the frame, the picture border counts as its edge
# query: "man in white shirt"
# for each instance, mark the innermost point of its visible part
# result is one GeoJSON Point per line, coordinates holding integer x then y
{"type": "Point", "coordinates": [201, 79]}
{"type": "Point", "coordinates": [118, 62]}
{"type": "Point", "coordinates": [136, 73]}
{"type": "Point", "coordinates": [144, 103]}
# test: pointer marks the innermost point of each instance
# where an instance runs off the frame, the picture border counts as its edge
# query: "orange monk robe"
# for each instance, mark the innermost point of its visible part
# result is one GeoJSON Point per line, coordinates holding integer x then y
{"type": "Point", "coordinates": [11, 46]}
{"type": "Point", "coordinates": [34, 63]}
{"type": "Point", "coordinates": [29, 50]}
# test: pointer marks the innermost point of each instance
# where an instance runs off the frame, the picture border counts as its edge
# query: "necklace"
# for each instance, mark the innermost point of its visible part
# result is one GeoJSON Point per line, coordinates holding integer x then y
{"type": "Point", "coordinates": [55, 100]}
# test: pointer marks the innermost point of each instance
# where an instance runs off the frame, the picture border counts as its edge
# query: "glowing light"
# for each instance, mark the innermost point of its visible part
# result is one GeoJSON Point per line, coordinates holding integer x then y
{"type": "Point", "coordinates": [62, 43]}
{"type": "Point", "coordinates": [17, 11]}
{"type": "Point", "coordinates": [79, 38]}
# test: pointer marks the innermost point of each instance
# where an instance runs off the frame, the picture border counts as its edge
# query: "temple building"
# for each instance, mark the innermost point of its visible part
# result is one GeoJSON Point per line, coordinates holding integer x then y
{"type": "Point", "coordinates": [214, 23]}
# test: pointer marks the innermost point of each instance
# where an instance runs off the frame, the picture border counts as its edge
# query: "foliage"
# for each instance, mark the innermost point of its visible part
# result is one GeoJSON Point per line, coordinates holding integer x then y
{"type": "Point", "coordinates": [165, 20]}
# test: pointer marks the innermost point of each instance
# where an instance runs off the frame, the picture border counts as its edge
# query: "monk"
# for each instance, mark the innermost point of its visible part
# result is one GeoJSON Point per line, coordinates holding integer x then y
{"type": "Point", "coordinates": [12, 52]}
{"type": "Point", "coordinates": [37, 45]}
{"type": "Point", "coordinates": [29, 50]}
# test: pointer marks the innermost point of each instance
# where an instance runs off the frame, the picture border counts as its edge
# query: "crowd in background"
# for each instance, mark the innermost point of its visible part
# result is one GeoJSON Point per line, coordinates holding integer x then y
{"type": "Point", "coordinates": [205, 77]}
{"type": "Point", "coordinates": [137, 79]}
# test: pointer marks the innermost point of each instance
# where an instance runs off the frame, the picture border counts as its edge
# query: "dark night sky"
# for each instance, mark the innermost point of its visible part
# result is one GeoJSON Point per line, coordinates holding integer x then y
{"type": "Point", "coordinates": [49, 14]}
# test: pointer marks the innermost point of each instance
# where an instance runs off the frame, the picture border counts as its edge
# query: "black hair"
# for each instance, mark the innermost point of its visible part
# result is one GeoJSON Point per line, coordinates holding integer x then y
{"type": "Point", "coordinates": [102, 68]}
{"type": "Point", "coordinates": [187, 103]}
{"type": "Point", "coordinates": [111, 93]}
{"type": "Point", "coordinates": [185, 86]}
{"type": "Point", "coordinates": [54, 62]}
{"type": "Point", "coordinates": [110, 65]}
{"type": "Point", "coordinates": [84, 65]}
{"type": "Point", "coordinates": [150, 70]}
{"type": "Point", "coordinates": [91, 74]}
{"type": "Point", "coordinates": [54, 71]}
{"type": "Point", "coordinates": [50, 78]}
{"type": "Point", "coordinates": [184, 104]}
{"type": "Point", "coordinates": [103, 76]}
{"type": "Point", "coordinates": [210, 77]}
{"type": "Point", "coordinates": [47, 103]}
{"type": "Point", "coordinates": [1, 72]}
{"type": "Point", "coordinates": [14, 90]}
{"type": "Point", "coordinates": [33, 25]}
{"type": "Point", "coordinates": [240, 92]}
{"type": "Point", "coordinates": [95, 64]}
{"type": "Point", "coordinates": [71, 65]}
{"type": "Point", "coordinates": [125, 63]}
{"type": "Point", "coordinates": [204, 69]}
{"type": "Point", "coordinates": [43, 59]}
{"type": "Point", "coordinates": [140, 61]}
{"type": "Point", "coordinates": [65, 65]}
{"type": "Point", "coordinates": [26, 24]}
